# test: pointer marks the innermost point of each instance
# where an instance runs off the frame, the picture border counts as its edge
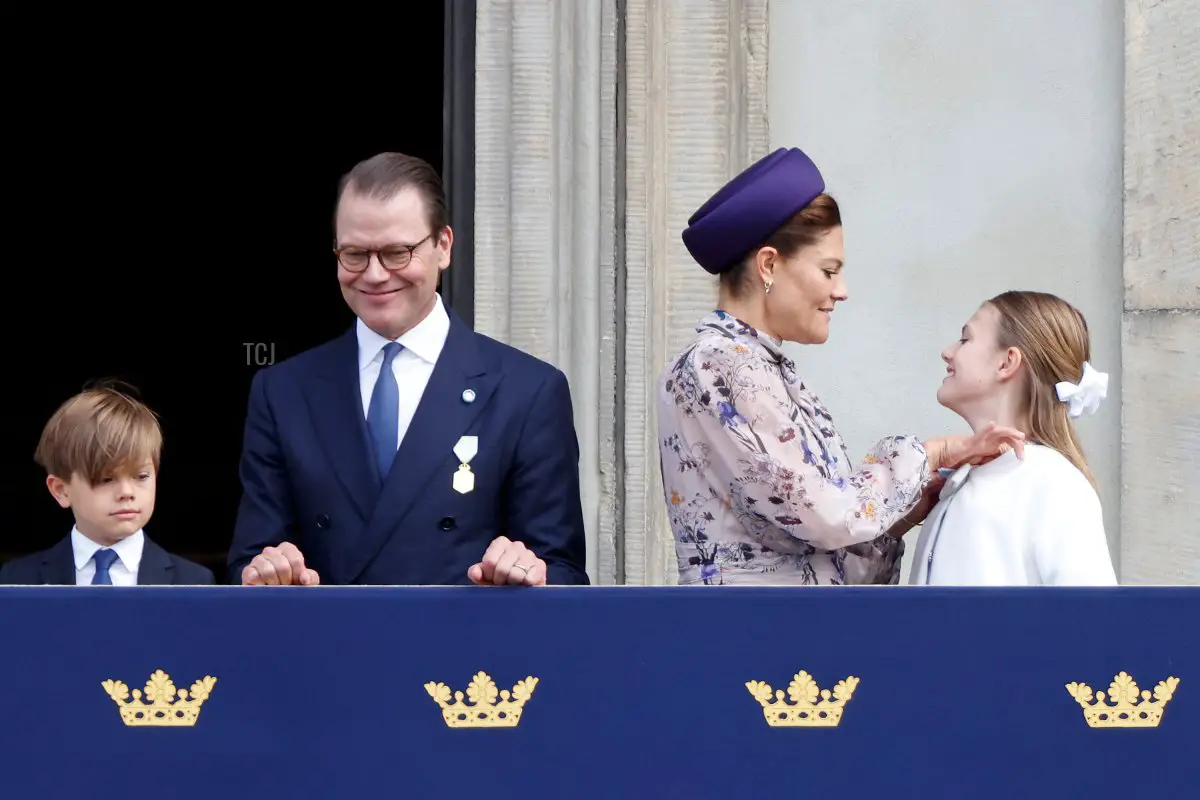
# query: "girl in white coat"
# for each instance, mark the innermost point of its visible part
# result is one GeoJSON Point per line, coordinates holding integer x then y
{"type": "Point", "coordinates": [1022, 361]}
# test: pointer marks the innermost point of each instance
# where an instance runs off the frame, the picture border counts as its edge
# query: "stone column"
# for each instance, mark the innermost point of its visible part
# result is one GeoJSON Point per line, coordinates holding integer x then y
{"type": "Point", "coordinates": [545, 177]}
{"type": "Point", "coordinates": [696, 114]}
{"type": "Point", "coordinates": [1160, 415]}
{"type": "Point", "coordinates": [600, 126]}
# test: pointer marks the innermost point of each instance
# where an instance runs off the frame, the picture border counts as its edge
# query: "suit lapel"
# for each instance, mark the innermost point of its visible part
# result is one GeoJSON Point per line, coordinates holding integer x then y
{"type": "Point", "coordinates": [58, 564]}
{"type": "Point", "coordinates": [335, 406]}
{"type": "Point", "coordinates": [155, 568]}
{"type": "Point", "coordinates": [441, 418]}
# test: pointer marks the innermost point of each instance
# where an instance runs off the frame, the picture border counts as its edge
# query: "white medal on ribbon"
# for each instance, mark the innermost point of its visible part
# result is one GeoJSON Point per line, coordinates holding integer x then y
{"type": "Point", "coordinates": [466, 449]}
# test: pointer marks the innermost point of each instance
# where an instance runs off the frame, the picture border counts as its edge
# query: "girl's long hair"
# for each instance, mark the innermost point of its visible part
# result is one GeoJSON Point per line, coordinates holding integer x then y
{"type": "Point", "coordinates": [1052, 336]}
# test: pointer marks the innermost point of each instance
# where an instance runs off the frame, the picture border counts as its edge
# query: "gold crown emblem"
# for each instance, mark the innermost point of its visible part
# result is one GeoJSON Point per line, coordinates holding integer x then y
{"type": "Point", "coordinates": [1123, 710]}
{"type": "Point", "coordinates": [163, 705]}
{"type": "Point", "coordinates": [805, 710]}
{"type": "Point", "coordinates": [482, 711]}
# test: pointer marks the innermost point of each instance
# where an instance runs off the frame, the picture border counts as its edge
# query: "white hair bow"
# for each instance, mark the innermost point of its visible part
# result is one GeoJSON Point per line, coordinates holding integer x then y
{"type": "Point", "coordinates": [1085, 395]}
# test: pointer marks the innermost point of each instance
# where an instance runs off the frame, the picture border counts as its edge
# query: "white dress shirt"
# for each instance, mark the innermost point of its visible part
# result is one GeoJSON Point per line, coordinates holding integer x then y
{"type": "Point", "coordinates": [1031, 522]}
{"type": "Point", "coordinates": [123, 572]}
{"type": "Point", "coordinates": [412, 366]}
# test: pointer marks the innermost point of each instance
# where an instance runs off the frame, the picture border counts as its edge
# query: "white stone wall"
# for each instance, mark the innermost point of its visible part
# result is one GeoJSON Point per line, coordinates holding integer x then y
{"type": "Point", "coordinates": [1160, 333]}
{"type": "Point", "coordinates": [601, 125]}
{"type": "Point", "coordinates": [970, 158]}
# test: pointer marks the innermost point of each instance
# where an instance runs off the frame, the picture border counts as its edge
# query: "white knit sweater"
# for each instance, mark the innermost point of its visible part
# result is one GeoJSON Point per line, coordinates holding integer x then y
{"type": "Point", "coordinates": [1030, 522]}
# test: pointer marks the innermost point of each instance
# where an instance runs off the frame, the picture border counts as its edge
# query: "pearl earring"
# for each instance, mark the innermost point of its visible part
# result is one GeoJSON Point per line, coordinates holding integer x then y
{"type": "Point", "coordinates": [767, 286]}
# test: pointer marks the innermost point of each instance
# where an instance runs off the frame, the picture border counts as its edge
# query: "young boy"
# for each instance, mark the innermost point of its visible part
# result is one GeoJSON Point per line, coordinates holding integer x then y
{"type": "Point", "coordinates": [101, 453]}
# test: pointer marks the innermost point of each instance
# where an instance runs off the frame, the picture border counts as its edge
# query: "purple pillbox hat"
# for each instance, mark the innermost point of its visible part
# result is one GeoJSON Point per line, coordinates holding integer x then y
{"type": "Point", "coordinates": [751, 207]}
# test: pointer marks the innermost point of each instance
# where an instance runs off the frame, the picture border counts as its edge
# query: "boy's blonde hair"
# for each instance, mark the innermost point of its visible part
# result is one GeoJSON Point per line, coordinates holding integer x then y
{"type": "Point", "coordinates": [99, 433]}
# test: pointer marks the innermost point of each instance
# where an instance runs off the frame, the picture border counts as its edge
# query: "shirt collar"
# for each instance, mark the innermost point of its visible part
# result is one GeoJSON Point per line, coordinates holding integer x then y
{"type": "Point", "coordinates": [128, 550]}
{"type": "Point", "coordinates": [731, 327]}
{"type": "Point", "coordinates": [424, 340]}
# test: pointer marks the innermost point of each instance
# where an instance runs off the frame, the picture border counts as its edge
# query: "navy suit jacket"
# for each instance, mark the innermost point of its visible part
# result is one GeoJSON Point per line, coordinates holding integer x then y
{"type": "Point", "coordinates": [56, 566]}
{"type": "Point", "coordinates": [308, 476]}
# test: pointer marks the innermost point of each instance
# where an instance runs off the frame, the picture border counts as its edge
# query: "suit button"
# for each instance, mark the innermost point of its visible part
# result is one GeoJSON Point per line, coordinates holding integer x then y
{"type": "Point", "coordinates": [447, 523]}
{"type": "Point", "coordinates": [322, 521]}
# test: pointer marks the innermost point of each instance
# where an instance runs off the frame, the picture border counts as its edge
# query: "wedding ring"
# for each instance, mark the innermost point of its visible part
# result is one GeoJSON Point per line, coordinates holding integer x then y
{"type": "Point", "coordinates": [521, 567]}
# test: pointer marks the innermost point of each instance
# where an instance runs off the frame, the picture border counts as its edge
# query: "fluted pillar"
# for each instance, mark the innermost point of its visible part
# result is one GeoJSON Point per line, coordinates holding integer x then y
{"type": "Point", "coordinates": [695, 72]}
{"type": "Point", "coordinates": [545, 131]}
{"type": "Point", "coordinates": [600, 126]}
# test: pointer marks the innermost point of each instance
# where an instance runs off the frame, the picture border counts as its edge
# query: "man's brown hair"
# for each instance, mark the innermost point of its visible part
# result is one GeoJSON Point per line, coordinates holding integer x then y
{"type": "Point", "coordinates": [385, 175]}
{"type": "Point", "coordinates": [98, 433]}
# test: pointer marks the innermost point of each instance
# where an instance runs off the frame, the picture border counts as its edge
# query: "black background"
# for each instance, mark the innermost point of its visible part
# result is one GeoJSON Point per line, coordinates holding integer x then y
{"type": "Point", "coordinates": [171, 200]}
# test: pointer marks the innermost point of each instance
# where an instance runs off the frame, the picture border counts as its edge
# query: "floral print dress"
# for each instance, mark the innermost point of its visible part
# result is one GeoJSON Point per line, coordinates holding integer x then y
{"type": "Point", "coordinates": [758, 484]}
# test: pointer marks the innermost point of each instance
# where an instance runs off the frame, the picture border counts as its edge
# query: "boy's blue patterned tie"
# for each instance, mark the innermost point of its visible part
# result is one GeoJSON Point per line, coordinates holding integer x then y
{"type": "Point", "coordinates": [384, 411]}
{"type": "Point", "coordinates": [104, 559]}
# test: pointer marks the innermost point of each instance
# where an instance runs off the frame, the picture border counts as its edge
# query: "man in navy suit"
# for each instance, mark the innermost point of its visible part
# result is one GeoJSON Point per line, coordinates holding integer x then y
{"type": "Point", "coordinates": [410, 450]}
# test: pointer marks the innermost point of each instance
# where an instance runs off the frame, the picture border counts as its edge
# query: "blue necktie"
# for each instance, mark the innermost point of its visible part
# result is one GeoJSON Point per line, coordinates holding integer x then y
{"type": "Point", "coordinates": [384, 411]}
{"type": "Point", "coordinates": [104, 559]}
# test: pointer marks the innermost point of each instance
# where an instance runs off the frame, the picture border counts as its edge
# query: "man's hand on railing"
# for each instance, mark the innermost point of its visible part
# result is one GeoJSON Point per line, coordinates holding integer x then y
{"type": "Point", "coordinates": [279, 566]}
{"type": "Point", "coordinates": [508, 563]}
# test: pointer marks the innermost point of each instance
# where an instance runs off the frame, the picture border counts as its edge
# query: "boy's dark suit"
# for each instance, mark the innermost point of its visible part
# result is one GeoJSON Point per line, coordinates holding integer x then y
{"type": "Point", "coordinates": [57, 566]}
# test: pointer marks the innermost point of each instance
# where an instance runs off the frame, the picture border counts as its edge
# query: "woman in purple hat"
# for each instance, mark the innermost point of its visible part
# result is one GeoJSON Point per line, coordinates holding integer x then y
{"type": "Point", "coordinates": [758, 484]}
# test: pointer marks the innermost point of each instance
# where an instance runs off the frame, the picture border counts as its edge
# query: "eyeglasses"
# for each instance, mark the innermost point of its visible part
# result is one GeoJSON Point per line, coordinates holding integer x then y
{"type": "Point", "coordinates": [392, 256]}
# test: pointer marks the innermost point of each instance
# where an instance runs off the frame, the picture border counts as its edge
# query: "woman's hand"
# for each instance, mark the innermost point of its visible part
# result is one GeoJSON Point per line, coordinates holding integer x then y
{"type": "Point", "coordinates": [951, 452]}
{"type": "Point", "coordinates": [917, 514]}
{"type": "Point", "coordinates": [929, 499]}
